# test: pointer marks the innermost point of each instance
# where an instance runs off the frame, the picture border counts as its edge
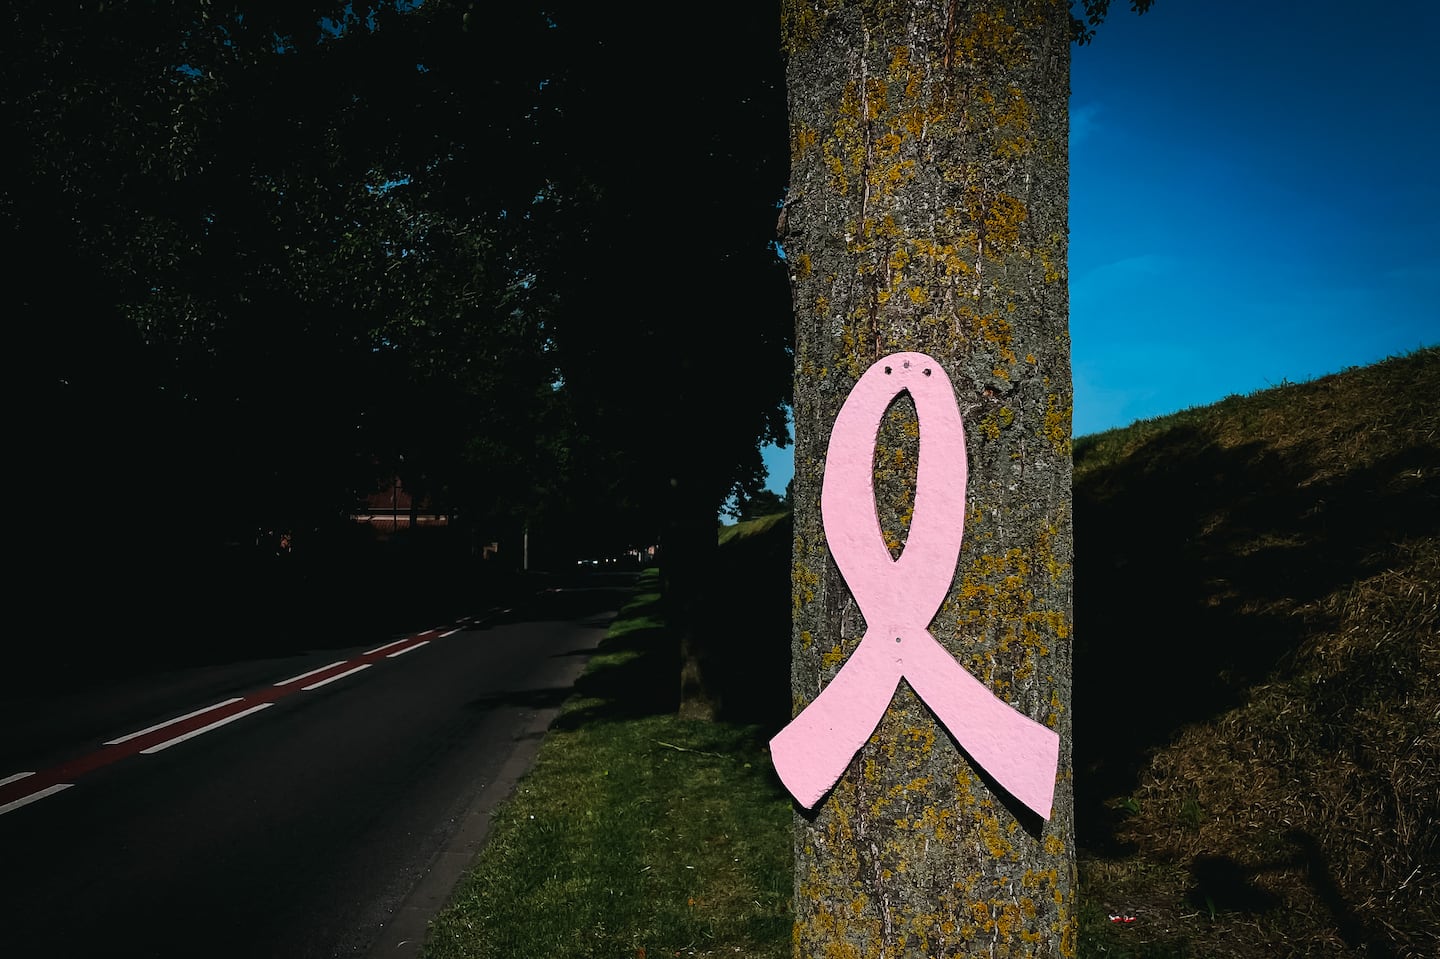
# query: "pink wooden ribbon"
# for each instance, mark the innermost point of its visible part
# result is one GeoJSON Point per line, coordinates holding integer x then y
{"type": "Point", "coordinates": [899, 598]}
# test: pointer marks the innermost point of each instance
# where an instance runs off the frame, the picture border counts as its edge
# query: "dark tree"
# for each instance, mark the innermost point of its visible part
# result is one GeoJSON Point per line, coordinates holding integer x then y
{"type": "Point", "coordinates": [269, 254]}
{"type": "Point", "coordinates": [674, 340]}
{"type": "Point", "coordinates": [275, 253]}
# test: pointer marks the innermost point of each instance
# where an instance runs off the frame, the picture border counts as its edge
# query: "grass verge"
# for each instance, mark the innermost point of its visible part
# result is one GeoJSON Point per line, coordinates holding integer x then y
{"type": "Point", "coordinates": [637, 834]}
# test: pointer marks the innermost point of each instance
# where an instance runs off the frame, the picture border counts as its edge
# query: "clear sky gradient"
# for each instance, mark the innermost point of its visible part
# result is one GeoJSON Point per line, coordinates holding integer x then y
{"type": "Point", "coordinates": [1254, 199]}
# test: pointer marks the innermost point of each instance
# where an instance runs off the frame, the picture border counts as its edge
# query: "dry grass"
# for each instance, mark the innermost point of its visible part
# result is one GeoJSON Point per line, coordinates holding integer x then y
{"type": "Point", "coordinates": [1265, 572]}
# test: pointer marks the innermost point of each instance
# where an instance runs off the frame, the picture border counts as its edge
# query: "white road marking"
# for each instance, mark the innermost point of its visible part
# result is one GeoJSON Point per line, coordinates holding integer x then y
{"type": "Point", "coordinates": [27, 800]}
{"type": "Point", "coordinates": [205, 729]}
{"type": "Point", "coordinates": [347, 672]}
{"type": "Point", "coordinates": [295, 679]}
{"type": "Point", "coordinates": [170, 722]}
{"type": "Point", "coordinates": [60, 787]}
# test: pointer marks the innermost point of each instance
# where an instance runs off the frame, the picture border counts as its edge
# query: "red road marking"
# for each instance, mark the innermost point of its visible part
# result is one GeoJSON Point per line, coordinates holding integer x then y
{"type": "Point", "coordinates": [307, 675]}
{"type": "Point", "coordinates": [170, 722]}
{"type": "Point", "coordinates": [24, 788]}
{"type": "Point", "coordinates": [340, 675]}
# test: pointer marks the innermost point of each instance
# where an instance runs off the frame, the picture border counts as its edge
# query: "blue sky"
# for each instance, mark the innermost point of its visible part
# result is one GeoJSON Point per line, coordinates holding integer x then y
{"type": "Point", "coordinates": [1253, 200]}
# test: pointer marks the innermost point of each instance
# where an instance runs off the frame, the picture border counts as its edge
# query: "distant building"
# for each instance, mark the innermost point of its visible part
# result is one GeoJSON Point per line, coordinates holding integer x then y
{"type": "Point", "coordinates": [393, 508]}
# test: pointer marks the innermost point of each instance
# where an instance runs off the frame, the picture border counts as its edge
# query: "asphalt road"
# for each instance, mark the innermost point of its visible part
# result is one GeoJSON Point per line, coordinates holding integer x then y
{"type": "Point", "coordinates": [295, 814]}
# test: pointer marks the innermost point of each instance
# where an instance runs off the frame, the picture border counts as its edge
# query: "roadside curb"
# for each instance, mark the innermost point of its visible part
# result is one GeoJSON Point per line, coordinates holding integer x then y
{"type": "Point", "coordinates": [404, 936]}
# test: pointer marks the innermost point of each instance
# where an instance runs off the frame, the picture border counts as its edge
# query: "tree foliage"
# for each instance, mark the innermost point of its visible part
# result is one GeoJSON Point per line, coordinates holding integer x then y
{"type": "Point", "coordinates": [1093, 13]}
{"type": "Point", "coordinates": [324, 242]}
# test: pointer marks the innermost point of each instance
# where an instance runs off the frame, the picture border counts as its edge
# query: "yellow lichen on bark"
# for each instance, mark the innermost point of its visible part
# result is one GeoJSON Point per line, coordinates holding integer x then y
{"type": "Point", "coordinates": [1057, 425]}
{"type": "Point", "coordinates": [923, 195]}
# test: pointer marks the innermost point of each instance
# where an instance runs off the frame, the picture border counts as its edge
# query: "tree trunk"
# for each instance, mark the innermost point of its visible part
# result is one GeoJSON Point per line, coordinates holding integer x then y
{"type": "Point", "coordinates": [927, 212]}
{"type": "Point", "coordinates": [688, 568]}
{"type": "Point", "coordinates": [687, 601]}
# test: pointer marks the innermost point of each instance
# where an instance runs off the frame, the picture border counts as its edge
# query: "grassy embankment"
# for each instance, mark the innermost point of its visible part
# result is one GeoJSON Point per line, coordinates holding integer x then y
{"type": "Point", "coordinates": [1257, 670]}
{"type": "Point", "coordinates": [1257, 699]}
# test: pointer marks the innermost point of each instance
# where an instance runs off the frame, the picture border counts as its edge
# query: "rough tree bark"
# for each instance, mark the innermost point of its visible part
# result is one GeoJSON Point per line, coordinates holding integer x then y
{"type": "Point", "coordinates": [927, 211]}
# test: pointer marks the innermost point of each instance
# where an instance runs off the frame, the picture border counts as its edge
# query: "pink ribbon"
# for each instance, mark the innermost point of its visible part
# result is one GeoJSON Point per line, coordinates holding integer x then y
{"type": "Point", "coordinates": [899, 598]}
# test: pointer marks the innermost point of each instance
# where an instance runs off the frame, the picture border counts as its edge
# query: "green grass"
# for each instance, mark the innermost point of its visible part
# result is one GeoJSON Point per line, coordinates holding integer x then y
{"type": "Point", "coordinates": [636, 834]}
{"type": "Point", "coordinates": [751, 528]}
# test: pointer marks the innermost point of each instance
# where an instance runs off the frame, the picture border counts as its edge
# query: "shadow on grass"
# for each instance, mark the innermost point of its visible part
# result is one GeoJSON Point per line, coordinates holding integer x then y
{"type": "Point", "coordinates": [636, 671]}
{"type": "Point", "coordinates": [638, 675]}
{"type": "Point", "coordinates": [1220, 884]}
{"type": "Point", "coordinates": [1194, 563]}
